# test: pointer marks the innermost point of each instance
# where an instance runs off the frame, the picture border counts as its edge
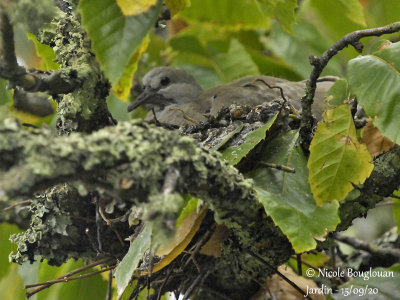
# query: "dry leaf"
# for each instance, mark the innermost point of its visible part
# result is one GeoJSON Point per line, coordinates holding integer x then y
{"type": "Point", "coordinates": [376, 143]}
{"type": "Point", "coordinates": [282, 290]}
{"type": "Point", "coordinates": [213, 245]}
{"type": "Point", "coordinates": [183, 235]}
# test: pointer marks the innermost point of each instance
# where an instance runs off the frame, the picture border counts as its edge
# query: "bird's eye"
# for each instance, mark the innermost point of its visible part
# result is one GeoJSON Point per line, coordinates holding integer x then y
{"type": "Point", "coordinates": [164, 81]}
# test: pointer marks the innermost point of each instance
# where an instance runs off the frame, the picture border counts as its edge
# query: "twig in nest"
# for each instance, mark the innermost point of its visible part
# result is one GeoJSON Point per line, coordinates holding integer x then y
{"type": "Point", "coordinates": [185, 115]}
{"type": "Point", "coordinates": [275, 87]}
{"type": "Point", "coordinates": [199, 278]}
{"type": "Point", "coordinates": [307, 120]}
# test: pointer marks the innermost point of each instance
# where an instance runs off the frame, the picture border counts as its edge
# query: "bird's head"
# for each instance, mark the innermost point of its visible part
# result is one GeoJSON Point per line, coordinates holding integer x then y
{"type": "Point", "coordinates": [165, 86]}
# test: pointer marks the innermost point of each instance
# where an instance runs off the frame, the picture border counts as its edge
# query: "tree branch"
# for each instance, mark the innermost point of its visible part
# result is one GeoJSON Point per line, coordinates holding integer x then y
{"type": "Point", "coordinates": [32, 81]}
{"type": "Point", "coordinates": [383, 253]}
{"type": "Point", "coordinates": [307, 120]}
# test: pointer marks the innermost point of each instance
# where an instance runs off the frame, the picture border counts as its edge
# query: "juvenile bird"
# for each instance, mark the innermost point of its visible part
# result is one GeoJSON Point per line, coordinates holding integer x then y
{"type": "Point", "coordinates": [177, 97]}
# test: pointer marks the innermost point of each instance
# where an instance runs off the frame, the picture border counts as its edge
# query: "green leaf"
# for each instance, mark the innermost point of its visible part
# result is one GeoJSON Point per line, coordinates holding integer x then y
{"type": "Point", "coordinates": [234, 154]}
{"type": "Point", "coordinates": [129, 263]}
{"type": "Point", "coordinates": [287, 198]}
{"type": "Point", "coordinates": [123, 87]}
{"type": "Point", "coordinates": [294, 48]}
{"type": "Point", "coordinates": [378, 283]}
{"type": "Point", "coordinates": [282, 10]}
{"type": "Point", "coordinates": [11, 285]}
{"type": "Point", "coordinates": [337, 160]}
{"type": "Point", "coordinates": [380, 13]}
{"type": "Point", "coordinates": [338, 92]}
{"type": "Point", "coordinates": [225, 138]}
{"type": "Point", "coordinates": [349, 12]}
{"type": "Point", "coordinates": [235, 63]}
{"type": "Point", "coordinates": [273, 66]}
{"type": "Point", "coordinates": [375, 80]}
{"type": "Point", "coordinates": [6, 97]}
{"type": "Point", "coordinates": [188, 43]}
{"type": "Point", "coordinates": [114, 36]}
{"type": "Point", "coordinates": [176, 6]}
{"type": "Point", "coordinates": [131, 8]}
{"type": "Point", "coordinates": [231, 14]}
{"type": "Point", "coordinates": [190, 206]}
{"type": "Point", "coordinates": [6, 246]}
{"type": "Point", "coordinates": [46, 53]}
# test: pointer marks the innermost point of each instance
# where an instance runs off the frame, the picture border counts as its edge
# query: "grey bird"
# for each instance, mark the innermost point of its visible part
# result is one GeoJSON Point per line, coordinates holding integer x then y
{"type": "Point", "coordinates": [178, 99]}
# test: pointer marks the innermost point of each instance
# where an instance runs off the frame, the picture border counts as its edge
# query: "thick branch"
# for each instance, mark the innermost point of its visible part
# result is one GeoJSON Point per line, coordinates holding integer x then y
{"type": "Point", "coordinates": [307, 121]}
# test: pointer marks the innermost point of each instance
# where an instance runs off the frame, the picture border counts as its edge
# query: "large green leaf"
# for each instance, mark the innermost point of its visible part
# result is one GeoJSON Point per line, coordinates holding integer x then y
{"type": "Point", "coordinates": [381, 13]}
{"type": "Point", "coordinates": [282, 10]}
{"type": "Point", "coordinates": [295, 48]}
{"type": "Point", "coordinates": [129, 263]}
{"type": "Point", "coordinates": [287, 198]}
{"type": "Point", "coordinates": [114, 36]}
{"type": "Point", "coordinates": [338, 93]}
{"type": "Point", "coordinates": [234, 154]}
{"type": "Point", "coordinates": [236, 63]}
{"type": "Point", "coordinates": [350, 13]}
{"type": "Point", "coordinates": [176, 5]}
{"type": "Point", "coordinates": [375, 80]}
{"type": "Point", "coordinates": [337, 160]}
{"type": "Point", "coordinates": [231, 14]}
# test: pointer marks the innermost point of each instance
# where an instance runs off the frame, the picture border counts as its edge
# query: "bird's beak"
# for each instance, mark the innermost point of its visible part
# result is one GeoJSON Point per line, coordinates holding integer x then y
{"type": "Point", "coordinates": [149, 97]}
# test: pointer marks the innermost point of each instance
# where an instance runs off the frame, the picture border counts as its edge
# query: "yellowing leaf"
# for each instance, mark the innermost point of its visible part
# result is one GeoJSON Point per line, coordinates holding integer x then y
{"type": "Point", "coordinates": [114, 36]}
{"type": "Point", "coordinates": [123, 87]}
{"type": "Point", "coordinates": [176, 6]}
{"type": "Point", "coordinates": [135, 7]}
{"type": "Point", "coordinates": [183, 235]}
{"type": "Point", "coordinates": [337, 160]}
{"type": "Point", "coordinates": [374, 140]}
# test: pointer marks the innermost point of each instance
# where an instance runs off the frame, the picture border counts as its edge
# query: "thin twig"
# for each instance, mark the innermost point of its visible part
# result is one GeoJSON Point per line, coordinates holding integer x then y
{"type": "Point", "coordinates": [16, 204]}
{"type": "Point", "coordinates": [277, 166]}
{"type": "Point", "coordinates": [299, 269]}
{"type": "Point", "coordinates": [262, 260]}
{"type": "Point", "coordinates": [275, 87]}
{"type": "Point", "coordinates": [64, 278]}
{"type": "Point", "coordinates": [76, 271]}
{"type": "Point", "coordinates": [194, 283]}
{"type": "Point", "coordinates": [375, 250]}
{"type": "Point", "coordinates": [307, 120]}
{"type": "Point", "coordinates": [164, 283]}
{"type": "Point", "coordinates": [49, 283]}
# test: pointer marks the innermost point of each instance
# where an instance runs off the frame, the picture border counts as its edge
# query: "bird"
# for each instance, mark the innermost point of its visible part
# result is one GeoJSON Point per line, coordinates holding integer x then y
{"type": "Point", "coordinates": [178, 99]}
